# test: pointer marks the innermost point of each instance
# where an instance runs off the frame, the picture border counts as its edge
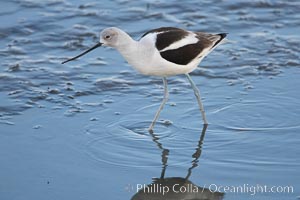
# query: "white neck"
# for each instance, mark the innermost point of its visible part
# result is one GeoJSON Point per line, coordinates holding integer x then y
{"type": "Point", "coordinates": [129, 49]}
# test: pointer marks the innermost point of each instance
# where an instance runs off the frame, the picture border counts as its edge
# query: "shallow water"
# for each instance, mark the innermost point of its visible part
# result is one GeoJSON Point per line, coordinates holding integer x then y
{"type": "Point", "coordinates": [78, 131]}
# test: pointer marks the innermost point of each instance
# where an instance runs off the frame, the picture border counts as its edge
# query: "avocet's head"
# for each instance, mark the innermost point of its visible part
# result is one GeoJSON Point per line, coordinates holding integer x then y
{"type": "Point", "coordinates": [112, 37]}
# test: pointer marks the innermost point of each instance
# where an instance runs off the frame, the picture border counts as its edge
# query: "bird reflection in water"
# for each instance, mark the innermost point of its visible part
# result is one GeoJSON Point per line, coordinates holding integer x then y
{"type": "Point", "coordinates": [176, 188]}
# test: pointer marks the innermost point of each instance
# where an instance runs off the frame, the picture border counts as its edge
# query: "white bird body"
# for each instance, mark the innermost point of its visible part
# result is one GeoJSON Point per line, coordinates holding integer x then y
{"type": "Point", "coordinates": [143, 55]}
{"type": "Point", "coordinates": [163, 52]}
{"type": "Point", "coordinates": [149, 61]}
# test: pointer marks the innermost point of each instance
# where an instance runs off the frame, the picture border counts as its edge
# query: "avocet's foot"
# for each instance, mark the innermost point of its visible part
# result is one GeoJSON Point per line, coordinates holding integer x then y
{"type": "Point", "coordinates": [150, 129]}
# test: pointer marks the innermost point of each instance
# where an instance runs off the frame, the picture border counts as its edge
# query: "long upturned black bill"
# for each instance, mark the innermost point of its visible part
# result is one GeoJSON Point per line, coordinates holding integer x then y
{"type": "Point", "coordinates": [83, 53]}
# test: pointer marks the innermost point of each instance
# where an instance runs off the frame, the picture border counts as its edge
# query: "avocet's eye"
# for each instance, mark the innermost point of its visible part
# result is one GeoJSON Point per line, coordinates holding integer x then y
{"type": "Point", "coordinates": [107, 37]}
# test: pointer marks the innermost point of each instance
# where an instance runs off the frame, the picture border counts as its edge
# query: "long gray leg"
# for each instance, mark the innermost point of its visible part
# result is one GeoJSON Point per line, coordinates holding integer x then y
{"type": "Point", "coordinates": [198, 97]}
{"type": "Point", "coordinates": [165, 99]}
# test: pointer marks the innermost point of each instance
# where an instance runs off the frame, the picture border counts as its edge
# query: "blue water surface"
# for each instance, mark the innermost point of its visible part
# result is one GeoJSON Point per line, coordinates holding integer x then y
{"type": "Point", "coordinates": [79, 130]}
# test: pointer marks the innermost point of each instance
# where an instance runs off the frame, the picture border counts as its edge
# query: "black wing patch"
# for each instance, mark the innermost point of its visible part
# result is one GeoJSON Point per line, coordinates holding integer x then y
{"type": "Point", "coordinates": [167, 35]}
{"type": "Point", "coordinates": [162, 29]}
{"type": "Point", "coordinates": [183, 55]}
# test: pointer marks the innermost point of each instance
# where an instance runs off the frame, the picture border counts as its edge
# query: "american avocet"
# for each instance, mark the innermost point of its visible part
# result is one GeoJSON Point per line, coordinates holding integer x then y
{"type": "Point", "coordinates": [162, 52]}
